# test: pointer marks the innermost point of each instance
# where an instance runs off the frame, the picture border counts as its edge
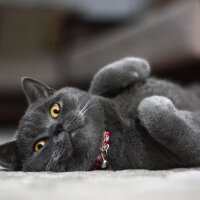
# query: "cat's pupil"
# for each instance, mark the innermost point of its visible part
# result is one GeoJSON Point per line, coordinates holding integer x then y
{"type": "Point", "coordinates": [40, 146]}
{"type": "Point", "coordinates": [56, 111]}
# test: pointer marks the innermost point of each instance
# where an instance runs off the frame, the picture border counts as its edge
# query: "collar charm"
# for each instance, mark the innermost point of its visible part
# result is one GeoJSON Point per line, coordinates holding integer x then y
{"type": "Point", "coordinates": [101, 162]}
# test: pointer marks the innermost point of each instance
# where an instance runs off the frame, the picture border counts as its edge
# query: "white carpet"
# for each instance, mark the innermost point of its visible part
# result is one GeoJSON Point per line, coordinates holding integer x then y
{"type": "Point", "coordinates": [128, 184]}
{"type": "Point", "coordinates": [100, 185]}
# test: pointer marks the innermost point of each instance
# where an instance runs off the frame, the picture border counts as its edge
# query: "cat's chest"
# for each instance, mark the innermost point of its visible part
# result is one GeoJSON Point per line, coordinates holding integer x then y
{"type": "Point", "coordinates": [128, 101]}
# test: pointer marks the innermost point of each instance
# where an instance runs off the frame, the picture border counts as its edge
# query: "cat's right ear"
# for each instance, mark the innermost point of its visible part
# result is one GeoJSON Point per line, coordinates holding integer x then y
{"type": "Point", "coordinates": [35, 90]}
{"type": "Point", "coordinates": [9, 158]}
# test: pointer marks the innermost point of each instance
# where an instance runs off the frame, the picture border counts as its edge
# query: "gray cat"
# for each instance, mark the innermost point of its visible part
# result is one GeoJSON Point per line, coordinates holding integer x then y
{"type": "Point", "coordinates": [125, 121]}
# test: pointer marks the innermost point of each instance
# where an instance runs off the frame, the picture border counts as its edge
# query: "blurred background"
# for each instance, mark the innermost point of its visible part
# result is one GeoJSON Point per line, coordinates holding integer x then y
{"type": "Point", "coordinates": [64, 42]}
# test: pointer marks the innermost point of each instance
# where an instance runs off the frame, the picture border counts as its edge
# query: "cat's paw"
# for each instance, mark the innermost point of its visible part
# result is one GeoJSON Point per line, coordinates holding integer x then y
{"type": "Point", "coordinates": [156, 103]}
{"type": "Point", "coordinates": [154, 110]}
{"type": "Point", "coordinates": [135, 68]}
{"type": "Point", "coordinates": [118, 75]}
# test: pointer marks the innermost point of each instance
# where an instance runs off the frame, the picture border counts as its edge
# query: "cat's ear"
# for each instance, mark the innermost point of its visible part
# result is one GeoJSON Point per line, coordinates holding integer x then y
{"type": "Point", "coordinates": [35, 90]}
{"type": "Point", "coordinates": [9, 157]}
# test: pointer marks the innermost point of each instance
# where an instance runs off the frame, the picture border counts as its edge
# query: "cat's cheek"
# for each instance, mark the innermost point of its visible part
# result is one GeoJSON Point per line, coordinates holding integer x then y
{"type": "Point", "coordinates": [63, 144]}
{"type": "Point", "coordinates": [79, 139]}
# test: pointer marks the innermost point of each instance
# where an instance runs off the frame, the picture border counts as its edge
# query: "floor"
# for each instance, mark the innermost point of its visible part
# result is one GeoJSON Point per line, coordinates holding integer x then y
{"type": "Point", "coordinates": [127, 184]}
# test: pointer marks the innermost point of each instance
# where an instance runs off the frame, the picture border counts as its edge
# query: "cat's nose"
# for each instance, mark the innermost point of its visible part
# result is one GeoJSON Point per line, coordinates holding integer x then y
{"type": "Point", "coordinates": [58, 129]}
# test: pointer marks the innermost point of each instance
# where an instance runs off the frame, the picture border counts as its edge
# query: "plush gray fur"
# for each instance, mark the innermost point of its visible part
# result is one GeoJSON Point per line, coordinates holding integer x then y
{"type": "Point", "coordinates": [153, 124]}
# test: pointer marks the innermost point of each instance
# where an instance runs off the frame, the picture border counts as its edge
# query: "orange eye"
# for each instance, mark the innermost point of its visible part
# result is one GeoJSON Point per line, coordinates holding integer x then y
{"type": "Point", "coordinates": [55, 110]}
{"type": "Point", "coordinates": [39, 145]}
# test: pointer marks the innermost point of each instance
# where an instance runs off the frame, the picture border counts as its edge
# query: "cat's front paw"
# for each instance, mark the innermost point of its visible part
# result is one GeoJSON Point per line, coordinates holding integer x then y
{"type": "Point", "coordinates": [156, 103]}
{"type": "Point", "coordinates": [118, 75]}
{"type": "Point", "coordinates": [127, 69]}
{"type": "Point", "coordinates": [138, 67]}
{"type": "Point", "coordinates": [152, 110]}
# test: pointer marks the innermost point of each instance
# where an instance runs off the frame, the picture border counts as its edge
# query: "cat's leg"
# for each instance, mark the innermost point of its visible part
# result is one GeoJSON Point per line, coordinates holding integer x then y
{"type": "Point", "coordinates": [177, 130]}
{"type": "Point", "coordinates": [111, 79]}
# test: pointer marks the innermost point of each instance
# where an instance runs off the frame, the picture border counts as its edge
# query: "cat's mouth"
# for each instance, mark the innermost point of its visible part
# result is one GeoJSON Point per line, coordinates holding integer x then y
{"type": "Point", "coordinates": [68, 142]}
{"type": "Point", "coordinates": [72, 133]}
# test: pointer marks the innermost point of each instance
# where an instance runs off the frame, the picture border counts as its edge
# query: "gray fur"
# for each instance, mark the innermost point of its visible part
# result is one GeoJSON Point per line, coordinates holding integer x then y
{"type": "Point", "coordinates": [111, 78]}
{"type": "Point", "coordinates": [153, 124]}
{"type": "Point", "coordinates": [177, 130]}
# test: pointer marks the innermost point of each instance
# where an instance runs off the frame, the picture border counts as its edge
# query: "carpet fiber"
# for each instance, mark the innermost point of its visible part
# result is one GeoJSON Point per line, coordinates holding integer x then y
{"type": "Point", "coordinates": [128, 184]}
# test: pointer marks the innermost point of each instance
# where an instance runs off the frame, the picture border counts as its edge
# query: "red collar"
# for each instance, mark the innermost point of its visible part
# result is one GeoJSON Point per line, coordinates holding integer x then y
{"type": "Point", "coordinates": [101, 162]}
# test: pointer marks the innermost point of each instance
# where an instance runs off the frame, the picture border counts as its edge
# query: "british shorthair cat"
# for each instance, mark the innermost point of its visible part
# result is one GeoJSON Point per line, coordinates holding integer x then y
{"type": "Point", "coordinates": [126, 120]}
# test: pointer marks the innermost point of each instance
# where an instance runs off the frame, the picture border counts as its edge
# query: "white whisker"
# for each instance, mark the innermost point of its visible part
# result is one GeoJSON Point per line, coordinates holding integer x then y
{"type": "Point", "coordinates": [53, 159]}
{"type": "Point", "coordinates": [85, 108]}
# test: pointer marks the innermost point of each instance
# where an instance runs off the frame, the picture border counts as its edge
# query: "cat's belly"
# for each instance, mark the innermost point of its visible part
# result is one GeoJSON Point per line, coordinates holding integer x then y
{"type": "Point", "coordinates": [129, 100]}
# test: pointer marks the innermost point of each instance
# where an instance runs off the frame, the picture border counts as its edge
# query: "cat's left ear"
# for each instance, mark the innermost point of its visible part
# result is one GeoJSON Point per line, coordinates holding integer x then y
{"type": "Point", "coordinates": [9, 157]}
{"type": "Point", "coordinates": [35, 90]}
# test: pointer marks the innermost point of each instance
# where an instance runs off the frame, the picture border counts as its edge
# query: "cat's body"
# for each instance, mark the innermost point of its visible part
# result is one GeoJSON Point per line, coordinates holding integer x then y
{"type": "Point", "coordinates": [147, 153]}
{"type": "Point", "coordinates": [153, 124]}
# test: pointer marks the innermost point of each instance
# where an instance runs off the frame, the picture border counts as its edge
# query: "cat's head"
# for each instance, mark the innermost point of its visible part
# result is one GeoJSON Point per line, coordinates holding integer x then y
{"type": "Point", "coordinates": [60, 131]}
